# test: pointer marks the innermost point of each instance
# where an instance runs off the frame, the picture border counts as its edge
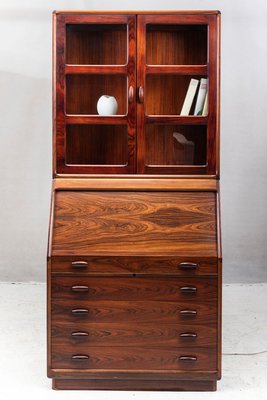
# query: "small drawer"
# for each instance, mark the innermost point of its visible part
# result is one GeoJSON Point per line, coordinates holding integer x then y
{"type": "Point", "coordinates": [134, 266]}
{"type": "Point", "coordinates": [134, 358]}
{"type": "Point", "coordinates": [130, 334]}
{"type": "Point", "coordinates": [190, 290]}
{"type": "Point", "coordinates": [157, 312]}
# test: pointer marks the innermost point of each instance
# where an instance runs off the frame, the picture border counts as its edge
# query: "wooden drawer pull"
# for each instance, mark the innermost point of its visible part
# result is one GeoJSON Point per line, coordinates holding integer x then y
{"type": "Point", "coordinates": [188, 358]}
{"type": "Point", "coordinates": [79, 311]}
{"type": "Point", "coordinates": [188, 265]}
{"type": "Point", "coordinates": [188, 313]}
{"type": "Point", "coordinates": [79, 334]}
{"type": "Point", "coordinates": [80, 288]}
{"type": "Point", "coordinates": [79, 264]}
{"type": "Point", "coordinates": [80, 357]}
{"type": "Point", "coordinates": [188, 289]}
{"type": "Point", "coordinates": [188, 335]}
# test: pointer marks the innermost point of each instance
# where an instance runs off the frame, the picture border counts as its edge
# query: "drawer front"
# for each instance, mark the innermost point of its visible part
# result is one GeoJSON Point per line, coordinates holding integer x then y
{"type": "Point", "coordinates": [134, 289]}
{"type": "Point", "coordinates": [134, 265]}
{"type": "Point", "coordinates": [182, 312]}
{"type": "Point", "coordinates": [134, 358]}
{"type": "Point", "coordinates": [143, 334]}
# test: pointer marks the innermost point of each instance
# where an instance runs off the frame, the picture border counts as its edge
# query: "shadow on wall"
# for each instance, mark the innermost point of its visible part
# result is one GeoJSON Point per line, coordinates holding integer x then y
{"type": "Point", "coordinates": [25, 160]}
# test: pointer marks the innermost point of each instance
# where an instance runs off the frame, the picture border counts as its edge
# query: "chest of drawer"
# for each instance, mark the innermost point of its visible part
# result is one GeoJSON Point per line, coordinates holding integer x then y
{"type": "Point", "coordinates": [134, 265]}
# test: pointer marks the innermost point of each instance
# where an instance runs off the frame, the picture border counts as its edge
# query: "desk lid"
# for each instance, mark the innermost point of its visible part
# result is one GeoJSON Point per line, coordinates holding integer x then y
{"type": "Point", "coordinates": [112, 223]}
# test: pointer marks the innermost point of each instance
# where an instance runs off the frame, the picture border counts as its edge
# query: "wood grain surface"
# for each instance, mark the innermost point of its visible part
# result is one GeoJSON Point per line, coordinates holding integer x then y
{"type": "Point", "coordinates": [129, 384]}
{"type": "Point", "coordinates": [121, 266]}
{"type": "Point", "coordinates": [108, 311]}
{"type": "Point", "coordinates": [125, 334]}
{"type": "Point", "coordinates": [137, 289]}
{"type": "Point", "coordinates": [129, 182]}
{"type": "Point", "coordinates": [134, 358]}
{"type": "Point", "coordinates": [98, 223]}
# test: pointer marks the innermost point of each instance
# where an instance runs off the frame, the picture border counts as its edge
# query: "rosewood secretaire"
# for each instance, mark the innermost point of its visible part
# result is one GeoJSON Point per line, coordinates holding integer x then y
{"type": "Point", "coordinates": [134, 255]}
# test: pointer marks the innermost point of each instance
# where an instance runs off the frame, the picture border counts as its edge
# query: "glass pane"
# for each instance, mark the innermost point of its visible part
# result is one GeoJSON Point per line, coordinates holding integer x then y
{"type": "Point", "coordinates": [84, 91]}
{"type": "Point", "coordinates": [176, 44]}
{"type": "Point", "coordinates": [175, 145]}
{"type": "Point", "coordinates": [96, 44]}
{"type": "Point", "coordinates": [165, 94]}
{"type": "Point", "coordinates": [97, 144]}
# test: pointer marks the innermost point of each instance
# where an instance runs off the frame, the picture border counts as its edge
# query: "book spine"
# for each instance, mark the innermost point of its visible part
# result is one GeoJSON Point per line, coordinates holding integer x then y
{"type": "Point", "coordinates": [205, 107]}
{"type": "Point", "coordinates": [191, 91]}
{"type": "Point", "coordinates": [201, 97]}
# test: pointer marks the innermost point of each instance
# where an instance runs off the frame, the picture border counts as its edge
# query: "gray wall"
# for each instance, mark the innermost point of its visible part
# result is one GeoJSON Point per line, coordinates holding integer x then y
{"type": "Point", "coordinates": [25, 132]}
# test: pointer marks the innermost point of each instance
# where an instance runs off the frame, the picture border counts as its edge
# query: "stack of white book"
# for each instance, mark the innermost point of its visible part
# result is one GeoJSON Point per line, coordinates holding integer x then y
{"type": "Point", "coordinates": [199, 89]}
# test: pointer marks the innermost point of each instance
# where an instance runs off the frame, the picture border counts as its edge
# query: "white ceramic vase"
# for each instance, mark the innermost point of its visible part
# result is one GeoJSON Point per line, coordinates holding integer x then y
{"type": "Point", "coordinates": [107, 105]}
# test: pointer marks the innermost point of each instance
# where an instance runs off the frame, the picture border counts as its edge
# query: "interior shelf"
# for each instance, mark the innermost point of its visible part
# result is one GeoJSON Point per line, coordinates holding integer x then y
{"type": "Point", "coordinates": [96, 44]}
{"type": "Point", "coordinates": [179, 44]}
{"type": "Point", "coordinates": [177, 119]}
{"type": "Point", "coordinates": [83, 92]}
{"type": "Point", "coordinates": [165, 94]}
{"type": "Point", "coordinates": [97, 145]}
{"type": "Point", "coordinates": [175, 145]}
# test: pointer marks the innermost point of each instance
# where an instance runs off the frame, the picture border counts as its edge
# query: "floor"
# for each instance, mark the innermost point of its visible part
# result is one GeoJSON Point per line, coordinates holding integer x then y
{"type": "Point", "coordinates": [23, 348]}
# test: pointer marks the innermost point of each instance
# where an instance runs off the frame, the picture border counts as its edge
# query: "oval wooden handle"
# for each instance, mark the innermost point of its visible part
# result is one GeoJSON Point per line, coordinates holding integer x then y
{"type": "Point", "coordinates": [188, 265]}
{"type": "Point", "coordinates": [188, 358]}
{"type": "Point", "coordinates": [79, 311]}
{"type": "Point", "coordinates": [141, 94]}
{"type": "Point", "coordinates": [188, 313]}
{"type": "Point", "coordinates": [188, 335]}
{"type": "Point", "coordinates": [80, 357]}
{"type": "Point", "coordinates": [188, 289]}
{"type": "Point", "coordinates": [79, 334]}
{"type": "Point", "coordinates": [131, 94]}
{"type": "Point", "coordinates": [79, 264]}
{"type": "Point", "coordinates": [79, 288]}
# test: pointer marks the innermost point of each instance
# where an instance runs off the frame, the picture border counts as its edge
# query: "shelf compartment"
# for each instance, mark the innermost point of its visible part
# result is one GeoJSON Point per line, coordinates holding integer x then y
{"type": "Point", "coordinates": [169, 44]}
{"type": "Point", "coordinates": [96, 145]}
{"type": "Point", "coordinates": [83, 92]}
{"type": "Point", "coordinates": [96, 44]}
{"type": "Point", "coordinates": [165, 94]}
{"type": "Point", "coordinates": [175, 145]}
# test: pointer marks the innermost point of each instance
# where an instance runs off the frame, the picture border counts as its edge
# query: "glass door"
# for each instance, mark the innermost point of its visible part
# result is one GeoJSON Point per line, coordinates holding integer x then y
{"type": "Point", "coordinates": [176, 107]}
{"type": "Point", "coordinates": [95, 93]}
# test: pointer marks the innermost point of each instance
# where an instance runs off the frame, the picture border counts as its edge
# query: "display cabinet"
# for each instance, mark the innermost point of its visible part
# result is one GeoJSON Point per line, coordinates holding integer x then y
{"type": "Point", "coordinates": [134, 253]}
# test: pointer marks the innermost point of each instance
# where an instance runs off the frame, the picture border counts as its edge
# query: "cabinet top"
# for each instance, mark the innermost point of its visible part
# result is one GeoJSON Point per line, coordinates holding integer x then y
{"type": "Point", "coordinates": [137, 12]}
{"type": "Point", "coordinates": [136, 93]}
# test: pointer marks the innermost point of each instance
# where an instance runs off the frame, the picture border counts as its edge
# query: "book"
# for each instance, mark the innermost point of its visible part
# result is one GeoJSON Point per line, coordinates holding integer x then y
{"type": "Point", "coordinates": [205, 107]}
{"type": "Point", "coordinates": [201, 96]}
{"type": "Point", "coordinates": [191, 91]}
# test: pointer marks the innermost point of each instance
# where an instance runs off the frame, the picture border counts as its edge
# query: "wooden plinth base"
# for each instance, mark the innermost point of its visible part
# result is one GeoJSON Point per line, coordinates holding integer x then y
{"type": "Point", "coordinates": [124, 384]}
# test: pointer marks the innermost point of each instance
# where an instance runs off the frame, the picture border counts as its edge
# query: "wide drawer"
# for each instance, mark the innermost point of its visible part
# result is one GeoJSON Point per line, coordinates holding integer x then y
{"type": "Point", "coordinates": [130, 334]}
{"type": "Point", "coordinates": [134, 358]}
{"type": "Point", "coordinates": [134, 265]}
{"type": "Point", "coordinates": [134, 288]}
{"type": "Point", "coordinates": [79, 311]}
